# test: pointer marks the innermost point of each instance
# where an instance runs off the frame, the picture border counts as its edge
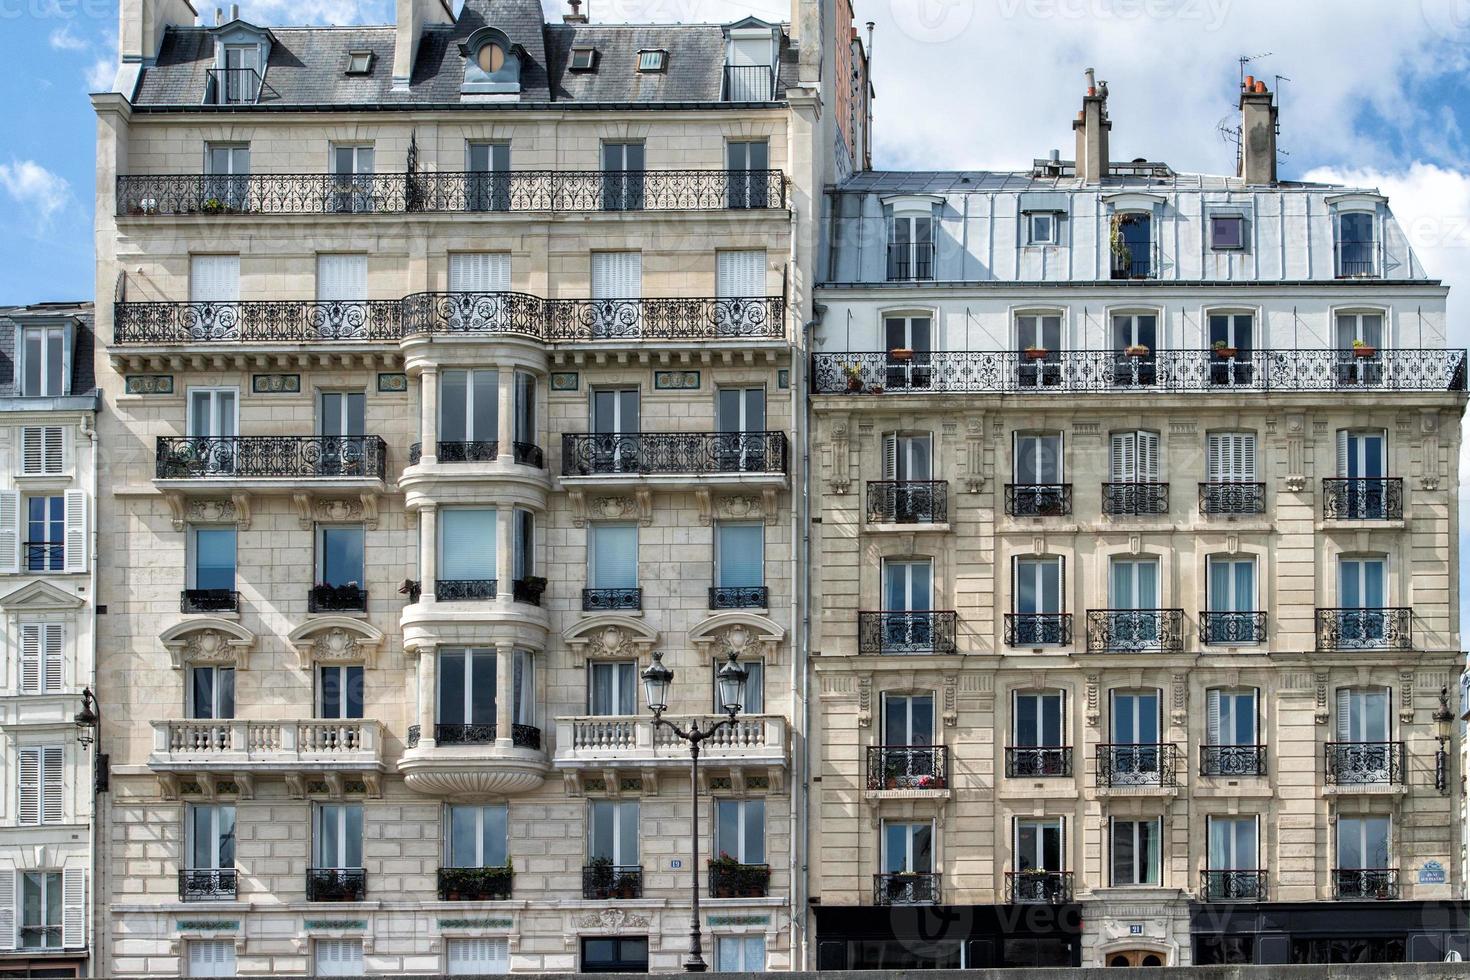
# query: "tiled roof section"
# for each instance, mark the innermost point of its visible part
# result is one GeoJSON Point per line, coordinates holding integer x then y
{"type": "Point", "coordinates": [991, 181]}
{"type": "Point", "coordinates": [307, 64]}
{"type": "Point", "coordinates": [83, 380]}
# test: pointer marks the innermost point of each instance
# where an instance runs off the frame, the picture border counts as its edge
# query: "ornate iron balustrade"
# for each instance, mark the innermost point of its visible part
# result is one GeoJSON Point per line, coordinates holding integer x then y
{"type": "Point", "coordinates": [910, 261]}
{"type": "Point", "coordinates": [602, 881]}
{"type": "Point", "coordinates": [1135, 630]}
{"type": "Point", "coordinates": [905, 631]}
{"type": "Point", "coordinates": [207, 884]}
{"type": "Point", "coordinates": [612, 600]}
{"type": "Point", "coordinates": [906, 888]}
{"type": "Point", "coordinates": [749, 83]}
{"type": "Point", "coordinates": [739, 596]}
{"type": "Point", "coordinates": [475, 884]}
{"type": "Point", "coordinates": [1025, 761]}
{"type": "Point", "coordinates": [529, 589]}
{"type": "Point", "coordinates": [1378, 883]}
{"type": "Point", "coordinates": [268, 457]}
{"type": "Point", "coordinates": [465, 589]}
{"type": "Point", "coordinates": [1363, 500]}
{"type": "Point", "coordinates": [1038, 499]}
{"type": "Point", "coordinates": [257, 321]}
{"type": "Point", "coordinates": [908, 767]}
{"type": "Point", "coordinates": [517, 314]}
{"type": "Point", "coordinates": [1384, 628]}
{"type": "Point", "coordinates": [336, 598]}
{"type": "Point", "coordinates": [1232, 760]}
{"type": "Point", "coordinates": [464, 734]}
{"type": "Point", "coordinates": [1142, 764]}
{"type": "Point", "coordinates": [1038, 629]}
{"type": "Point", "coordinates": [1233, 886]}
{"type": "Point", "coordinates": [481, 451]}
{"type": "Point", "coordinates": [1364, 763]}
{"type": "Point", "coordinates": [150, 195]}
{"type": "Point", "coordinates": [637, 453]}
{"type": "Point", "coordinates": [908, 501]}
{"type": "Point", "coordinates": [1135, 499]}
{"type": "Point", "coordinates": [732, 880]}
{"type": "Point", "coordinates": [1232, 498]}
{"type": "Point", "coordinates": [209, 600]}
{"type": "Point", "coordinates": [1038, 887]}
{"type": "Point", "coordinates": [336, 884]}
{"type": "Point", "coordinates": [525, 736]}
{"type": "Point", "coordinates": [1099, 371]}
{"type": "Point", "coordinates": [528, 454]}
{"type": "Point", "coordinates": [1231, 628]}
{"type": "Point", "coordinates": [44, 556]}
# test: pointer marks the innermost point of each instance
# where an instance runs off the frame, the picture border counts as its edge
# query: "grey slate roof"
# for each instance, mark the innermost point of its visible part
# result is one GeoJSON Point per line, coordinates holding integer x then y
{"type": "Point", "coordinates": [83, 380]}
{"type": "Point", "coordinates": [307, 64]}
{"type": "Point", "coordinates": [992, 181]}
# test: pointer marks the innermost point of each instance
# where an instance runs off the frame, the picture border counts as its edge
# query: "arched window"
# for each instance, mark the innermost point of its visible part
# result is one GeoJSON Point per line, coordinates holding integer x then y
{"type": "Point", "coordinates": [492, 63]}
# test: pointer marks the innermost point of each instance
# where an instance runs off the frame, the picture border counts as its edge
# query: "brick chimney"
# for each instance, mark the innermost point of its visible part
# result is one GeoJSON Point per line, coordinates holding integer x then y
{"type": "Point", "coordinates": [411, 16]}
{"type": "Point", "coordinates": [1092, 127]}
{"type": "Point", "coordinates": [575, 16]}
{"type": "Point", "coordinates": [1257, 134]}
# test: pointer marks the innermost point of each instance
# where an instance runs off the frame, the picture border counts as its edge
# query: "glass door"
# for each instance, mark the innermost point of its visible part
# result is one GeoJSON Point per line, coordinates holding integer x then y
{"type": "Point", "coordinates": [1232, 342]}
{"type": "Point", "coordinates": [907, 600]}
{"type": "Point", "coordinates": [908, 361]}
{"type": "Point", "coordinates": [343, 426]}
{"type": "Point", "coordinates": [615, 427]}
{"type": "Point", "coordinates": [740, 419]}
{"type": "Point", "coordinates": [1136, 725]}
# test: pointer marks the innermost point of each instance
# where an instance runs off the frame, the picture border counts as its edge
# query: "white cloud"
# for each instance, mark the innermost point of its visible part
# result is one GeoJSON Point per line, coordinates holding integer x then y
{"type": "Point", "coordinates": [66, 39]}
{"type": "Point", "coordinates": [35, 187]}
{"type": "Point", "coordinates": [100, 76]}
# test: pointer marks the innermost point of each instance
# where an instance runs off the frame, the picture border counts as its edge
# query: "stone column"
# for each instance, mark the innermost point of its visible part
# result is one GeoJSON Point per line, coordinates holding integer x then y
{"type": "Point", "coordinates": [428, 687]}
{"type": "Point", "coordinates": [506, 382]}
{"type": "Point", "coordinates": [429, 419]}
{"type": "Point", "coordinates": [428, 550]}
{"type": "Point", "coordinates": [505, 665]}
{"type": "Point", "coordinates": [504, 552]}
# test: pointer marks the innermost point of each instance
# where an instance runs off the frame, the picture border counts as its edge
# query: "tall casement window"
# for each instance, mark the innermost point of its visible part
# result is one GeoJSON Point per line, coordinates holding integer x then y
{"type": "Point", "coordinates": [1362, 620]}
{"type": "Point", "coordinates": [908, 876]}
{"type": "Point", "coordinates": [1232, 733]}
{"type": "Point", "coordinates": [1364, 751]}
{"type": "Point", "coordinates": [1135, 619]}
{"type": "Point", "coordinates": [909, 341]}
{"type": "Point", "coordinates": [1362, 491]}
{"type": "Point", "coordinates": [746, 164]}
{"type": "Point", "coordinates": [740, 568]}
{"type": "Point", "coordinates": [469, 415]}
{"type": "Point", "coordinates": [476, 835]}
{"type": "Point", "coordinates": [466, 696]}
{"type": "Point", "coordinates": [1359, 336]}
{"type": "Point", "coordinates": [1039, 845]}
{"type": "Point", "coordinates": [1135, 852]}
{"type": "Point", "coordinates": [907, 493]}
{"type": "Point", "coordinates": [612, 567]}
{"type": "Point", "coordinates": [740, 830]}
{"type": "Point", "coordinates": [339, 691]}
{"type": "Point", "coordinates": [911, 246]}
{"type": "Point", "coordinates": [487, 183]}
{"type": "Point", "coordinates": [467, 553]}
{"type": "Point", "coordinates": [740, 419]}
{"type": "Point", "coordinates": [615, 445]}
{"type": "Point", "coordinates": [337, 842]}
{"type": "Point", "coordinates": [45, 361]}
{"type": "Point", "coordinates": [1233, 867]}
{"type": "Point", "coordinates": [1364, 865]}
{"type": "Point", "coordinates": [1136, 755]}
{"type": "Point", "coordinates": [1231, 617]}
{"type": "Point", "coordinates": [1232, 344]}
{"type": "Point", "coordinates": [211, 837]}
{"type": "Point", "coordinates": [622, 177]}
{"type": "Point", "coordinates": [1357, 246]}
{"type": "Point", "coordinates": [613, 832]}
{"type": "Point", "coordinates": [612, 688]}
{"type": "Point", "coordinates": [1038, 735]}
{"type": "Point", "coordinates": [1038, 590]}
{"type": "Point", "coordinates": [211, 692]}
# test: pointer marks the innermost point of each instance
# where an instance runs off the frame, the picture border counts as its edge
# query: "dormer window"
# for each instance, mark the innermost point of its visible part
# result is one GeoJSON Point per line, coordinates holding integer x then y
{"type": "Point", "coordinates": [583, 59]}
{"type": "Point", "coordinates": [241, 57]}
{"type": "Point", "coordinates": [360, 63]}
{"type": "Point", "coordinates": [492, 63]}
{"type": "Point", "coordinates": [650, 61]}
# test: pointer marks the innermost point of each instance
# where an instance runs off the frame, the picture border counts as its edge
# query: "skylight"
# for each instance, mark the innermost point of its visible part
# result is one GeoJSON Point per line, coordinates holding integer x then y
{"type": "Point", "coordinates": [652, 60]}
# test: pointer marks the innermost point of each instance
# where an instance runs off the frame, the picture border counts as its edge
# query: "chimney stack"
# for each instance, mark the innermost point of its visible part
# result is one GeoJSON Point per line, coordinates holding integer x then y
{"type": "Point", "coordinates": [1092, 127]}
{"type": "Point", "coordinates": [576, 16]}
{"type": "Point", "coordinates": [141, 24]}
{"type": "Point", "coordinates": [234, 12]}
{"type": "Point", "coordinates": [1257, 134]}
{"type": "Point", "coordinates": [411, 16]}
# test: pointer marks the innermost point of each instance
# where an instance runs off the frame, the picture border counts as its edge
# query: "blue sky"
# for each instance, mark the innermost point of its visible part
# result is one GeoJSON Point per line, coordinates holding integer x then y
{"type": "Point", "coordinates": [1377, 95]}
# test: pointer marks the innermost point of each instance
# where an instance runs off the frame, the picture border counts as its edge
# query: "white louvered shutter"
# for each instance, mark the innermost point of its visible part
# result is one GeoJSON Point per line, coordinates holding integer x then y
{"type": "Point", "coordinates": [214, 278]}
{"type": "Point", "coordinates": [1148, 457]}
{"type": "Point", "coordinates": [29, 786]}
{"type": "Point", "coordinates": [52, 659]}
{"type": "Point", "coordinates": [30, 658]}
{"type": "Point", "coordinates": [472, 957]}
{"type": "Point", "coordinates": [74, 552]}
{"type": "Point", "coordinates": [8, 904]}
{"type": "Point", "coordinates": [42, 449]}
{"type": "Point", "coordinates": [479, 272]}
{"type": "Point", "coordinates": [53, 783]}
{"type": "Point", "coordinates": [1344, 714]}
{"type": "Point", "coordinates": [212, 958]}
{"type": "Point", "coordinates": [339, 957]}
{"type": "Point", "coordinates": [73, 908]}
{"type": "Point", "coordinates": [740, 274]}
{"type": "Point", "coordinates": [1122, 461]}
{"type": "Point", "coordinates": [341, 277]}
{"type": "Point", "coordinates": [617, 275]}
{"type": "Point", "coordinates": [1212, 717]}
{"type": "Point", "coordinates": [9, 531]}
{"type": "Point", "coordinates": [890, 456]}
{"type": "Point", "coordinates": [1342, 452]}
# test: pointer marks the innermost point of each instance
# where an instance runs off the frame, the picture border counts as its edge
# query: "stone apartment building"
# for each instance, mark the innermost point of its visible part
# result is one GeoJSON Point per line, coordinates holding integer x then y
{"type": "Point", "coordinates": [1135, 565]}
{"type": "Point", "coordinates": [48, 451]}
{"type": "Point", "coordinates": [448, 374]}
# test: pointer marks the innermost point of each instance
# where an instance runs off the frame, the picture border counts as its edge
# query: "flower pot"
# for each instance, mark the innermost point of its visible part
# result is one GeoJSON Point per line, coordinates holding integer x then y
{"type": "Point", "coordinates": [1226, 351]}
{"type": "Point", "coordinates": [891, 783]}
{"type": "Point", "coordinates": [1037, 353]}
{"type": "Point", "coordinates": [875, 389]}
{"type": "Point", "coordinates": [854, 384]}
{"type": "Point", "coordinates": [901, 354]}
{"type": "Point", "coordinates": [1137, 350]}
{"type": "Point", "coordinates": [1365, 352]}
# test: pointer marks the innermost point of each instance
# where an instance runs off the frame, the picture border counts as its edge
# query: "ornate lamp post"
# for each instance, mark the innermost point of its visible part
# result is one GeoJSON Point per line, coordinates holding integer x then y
{"type": "Point", "coordinates": [730, 680]}
{"type": "Point", "coordinates": [1443, 719]}
{"type": "Point", "coordinates": [89, 724]}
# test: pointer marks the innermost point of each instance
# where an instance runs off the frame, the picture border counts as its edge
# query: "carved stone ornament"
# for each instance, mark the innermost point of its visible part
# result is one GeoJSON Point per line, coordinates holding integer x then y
{"type": "Point", "coordinates": [335, 640]}
{"type": "Point", "coordinates": [184, 511]}
{"type": "Point", "coordinates": [1321, 696]}
{"type": "Point", "coordinates": [1092, 700]}
{"type": "Point", "coordinates": [748, 636]}
{"type": "Point", "coordinates": [738, 507]}
{"type": "Point", "coordinates": [610, 636]}
{"type": "Point", "coordinates": [328, 510]}
{"type": "Point", "coordinates": [638, 506]}
{"type": "Point", "coordinates": [865, 702]}
{"type": "Point", "coordinates": [207, 641]}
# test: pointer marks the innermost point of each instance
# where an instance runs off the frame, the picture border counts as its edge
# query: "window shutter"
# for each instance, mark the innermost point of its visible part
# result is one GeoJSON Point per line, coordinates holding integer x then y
{"type": "Point", "coordinates": [51, 657]}
{"type": "Point", "coordinates": [1148, 457]}
{"type": "Point", "coordinates": [7, 909]}
{"type": "Point", "coordinates": [53, 782]}
{"type": "Point", "coordinates": [1212, 716]}
{"type": "Point", "coordinates": [66, 349]}
{"type": "Point", "coordinates": [890, 456]}
{"type": "Point", "coordinates": [479, 272]}
{"type": "Point", "coordinates": [74, 549]}
{"type": "Point", "coordinates": [478, 956]}
{"type": "Point", "coordinates": [341, 277]}
{"type": "Point", "coordinates": [740, 274]}
{"type": "Point", "coordinates": [1344, 714]}
{"type": "Point", "coordinates": [30, 786]}
{"type": "Point", "coordinates": [617, 275]}
{"type": "Point", "coordinates": [42, 448]}
{"type": "Point", "coordinates": [214, 278]}
{"type": "Point", "coordinates": [9, 531]}
{"type": "Point", "coordinates": [1342, 452]}
{"type": "Point", "coordinates": [30, 658]}
{"type": "Point", "coordinates": [1247, 467]}
{"type": "Point", "coordinates": [1121, 461]}
{"type": "Point", "coordinates": [73, 908]}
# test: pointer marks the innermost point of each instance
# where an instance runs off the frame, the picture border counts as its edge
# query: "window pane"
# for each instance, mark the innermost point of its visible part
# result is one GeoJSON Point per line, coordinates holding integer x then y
{"type": "Point", "coordinates": [454, 406]}
{"type": "Point", "coordinates": [214, 558]}
{"type": "Point", "coordinates": [755, 832]}
{"type": "Point", "coordinates": [494, 836]}
{"type": "Point", "coordinates": [468, 537]}
{"type": "Point", "coordinates": [342, 556]}
{"type": "Point", "coordinates": [452, 680]}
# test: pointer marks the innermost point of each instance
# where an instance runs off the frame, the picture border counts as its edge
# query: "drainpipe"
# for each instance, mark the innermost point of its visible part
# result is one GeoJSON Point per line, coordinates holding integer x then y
{"type": "Point", "coordinates": [93, 967]}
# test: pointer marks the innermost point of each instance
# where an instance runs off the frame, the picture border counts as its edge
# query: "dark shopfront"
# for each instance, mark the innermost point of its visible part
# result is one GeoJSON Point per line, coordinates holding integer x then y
{"type": "Point", "coordinates": [1329, 932]}
{"type": "Point", "coordinates": [932, 937]}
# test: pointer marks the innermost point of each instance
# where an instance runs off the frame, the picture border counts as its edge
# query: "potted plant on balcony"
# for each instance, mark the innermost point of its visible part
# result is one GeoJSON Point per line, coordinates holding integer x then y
{"type": "Point", "coordinates": [1223, 349]}
{"type": "Point", "coordinates": [625, 885]}
{"type": "Point", "coordinates": [1122, 254]}
{"type": "Point", "coordinates": [1361, 348]}
{"type": "Point", "coordinates": [600, 877]}
{"type": "Point", "coordinates": [1136, 350]}
{"type": "Point", "coordinates": [1036, 353]}
{"type": "Point", "coordinates": [724, 872]}
{"type": "Point", "coordinates": [854, 375]}
{"type": "Point", "coordinates": [892, 770]}
{"type": "Point", "coordinates": [931, 782]}
{"type": "Point", "coordinates": [901, 354]}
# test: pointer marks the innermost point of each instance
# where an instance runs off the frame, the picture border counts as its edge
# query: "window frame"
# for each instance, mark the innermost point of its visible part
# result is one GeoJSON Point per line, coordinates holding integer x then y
{"type": "Point", "coordinates": [322, 530]}
{"type": "Point", "coordinates": [345, 681]}
{"type": "Point", "coordinates": [479, 833]}
{"type": "Point", "coordinates": [617, 808]}
{"type": "Point", "coordinates": [912, 829]}
{"type": "Point", "coordinates": [471, 656]}
{"type": "Point", "coordinates": [191, 580]}
{"type": "Point", "coordinates": [1216, 221]}
{"type": "Point", "coordinates": [218, 711]}
{"type": "Point", "coordinates": [1157, 865]}
{"type": "Point", "coordinates": [51, 883]}
{"type": "Point", "coordinates": [1053, 221]}
{"type": "Point", "coordinates": [216, 838]}
{"type": "Point", "coordinates": [53, 335]}
{"type": "Point", "coordinates": [742, 808]}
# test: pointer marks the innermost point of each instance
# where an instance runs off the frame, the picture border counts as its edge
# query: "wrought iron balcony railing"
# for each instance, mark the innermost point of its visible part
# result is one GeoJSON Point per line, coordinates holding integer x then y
{"type": "Point", "coordinates": [1026, 761]}
{"type": "Point", "coordinates": [699, 453]}
{"type": "Point", "coordinates": [460, 734]}
{"type": "Point", "coordinates": [1135, 630]}
{"type": "Point", "coordinates": [603, 881]}
{"type": "Point", "coordinates": [1232, 760]}
{"type": "Point", "coordinates": [1038, 887]}
{"type": "Point", "coordinates": [908, 767]}
{"type": "Point", "coordinates": [1231, 628]}
{"type": "Point", "coordinates": [727, 880]}
{"type": "Point", "coordinates": [465, 589]}
{"type": "Point", "coordinates": [468, 192]}
{"type": "Point", "coordinates": [908, 501]}
{"type": "Point", "coordinates": [44, 556]}
{"type": "Point", "coordinates": [478, 451]}
{"type": "Point", "coordinates": [1135, 499]}
{"type": "Point", "coordinates": [476, 884]}
{"type": "Point", "coordinates": [612, 600]}
{"type": "Point", "coordinates": [1378, 883]}
{"type": "Point", "coordinates": [739, 596]}
{"type": "Point", "coordinates": [1356, 260]}
{"type": "Point", "coordinates": [231, 86]}
{"type": "Point", "coordinates": [528, 454]}
{"type": "Point", "coordinates": [1038, 499]}
{"type": "Point", "coordinates": [1141, 764]}
{"type": "Point", "coordinates": [529, 589]}
{"type": "Point", "coordinates": [257, 321]}
{"type": "Point", "coordinates": [1038, 629]}
{"type": "Point", "coordinates": [1363, 500]}
{"type": "Point", "coordinates": [749, 83]}
{"type": "Point", "coordinates": [271, 457]}
{"type": "Point", "coordinates": [1098, 371]}
{"type": "Point", "coordinates": [906, 888]}
{"type": "Point", "coordinates": [209, 600]}
{"type": "Point", "coordinates": [910, 261]}
{"type": "Point", "coordinates": [336, 598]}
{"type": "Point", "coordinates": [1385, 628]}
{"type": "Point", "coordinates": [1232, 498]}
{"type": "Point", "coordinates": [208, 884]}
{"type": "Point", "coordinates": [336, 884]}
{"type": "Point", "coordinates": [1364, 763]}
{"type": "Point", "coordinates": [525, 736]}
{"type": "Point", "coordinates": [1233, 885]}
{"type": "Point", "coordinates": [907, 631]}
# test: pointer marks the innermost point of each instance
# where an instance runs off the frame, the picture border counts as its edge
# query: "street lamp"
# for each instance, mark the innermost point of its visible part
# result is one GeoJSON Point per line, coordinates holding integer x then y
{"type": "Point", "coordinates": [1443, 719]}
{"type": "Point", "coordinates": [89, 725]}
{"type": "Point", "coordinates": [730, 683]}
